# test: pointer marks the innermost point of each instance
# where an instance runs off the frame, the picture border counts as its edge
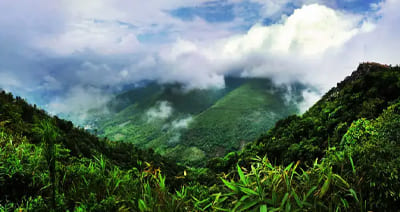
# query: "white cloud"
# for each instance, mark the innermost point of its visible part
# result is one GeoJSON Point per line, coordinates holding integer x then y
{"type": "Point", "coordinates": [315, 45]}
{"type": "Point", "coordinates": [161, 110]}
{"type": "Point", "coordinates": [181, 123]}
{"type": "Point", "coordinates": [309, 99]}
{"type": "Point", "coordinates": [96, 43]}
{"type": "Point", "coordinates": [287, 51]}
{"type": "Point", "coordinates": [78, 102]}
{"type": "Point", "coordinates": [310, 30]}
{"type": "Point", "coordinates": [100, 37]}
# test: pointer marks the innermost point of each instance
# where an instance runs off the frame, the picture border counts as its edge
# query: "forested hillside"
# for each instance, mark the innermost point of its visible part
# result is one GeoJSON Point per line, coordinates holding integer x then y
{"type": "Point", "coordinates": [343, 154]}
{"type": "Point", "coordinates": [354, 128]}
{"type": "Point", "coordinates": [191, 125]}
{"type": "Point", "coordinates": [46, 162]}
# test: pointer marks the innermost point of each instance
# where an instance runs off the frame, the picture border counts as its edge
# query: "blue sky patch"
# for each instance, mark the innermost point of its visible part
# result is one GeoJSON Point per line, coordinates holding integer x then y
{"type": "Point", "coordinates": [215, 11]}
{"type": "Point", "coordinates": [356, 6]}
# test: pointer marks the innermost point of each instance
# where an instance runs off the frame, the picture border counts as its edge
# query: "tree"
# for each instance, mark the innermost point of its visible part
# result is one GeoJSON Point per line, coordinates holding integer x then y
{"type": "Point", "coordinates": [48, 134]}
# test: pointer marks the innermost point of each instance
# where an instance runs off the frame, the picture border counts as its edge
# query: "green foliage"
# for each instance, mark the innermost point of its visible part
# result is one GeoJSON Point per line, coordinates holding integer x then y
{"type": "Point", "coordinates": [365, 94]}
{"type": "Point", "coordinates": [47, 164]}
{"type": "Point", "coordinates": [374, 149]}
{"type": "Point", "coordinates": [341, 155]}
{"type": "Point", "coordinates": [223, 120]}
{"type": "Point", "coordinates": [238, 118]}
{"type": "Point", "coordinates": [48, 134]}
{"type": "Point", "coordinates": [278, 188]}
{"type": "Point", "coordinates": [350, 130]}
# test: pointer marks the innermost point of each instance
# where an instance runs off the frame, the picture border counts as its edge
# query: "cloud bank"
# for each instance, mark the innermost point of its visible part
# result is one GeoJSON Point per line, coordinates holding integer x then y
{"type": "Point", "coordinates": [68, 56]}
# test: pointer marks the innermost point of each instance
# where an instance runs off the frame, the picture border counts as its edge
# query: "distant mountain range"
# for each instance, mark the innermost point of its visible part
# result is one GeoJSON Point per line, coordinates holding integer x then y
{"type": "Point", "coordinates": [191, 125]}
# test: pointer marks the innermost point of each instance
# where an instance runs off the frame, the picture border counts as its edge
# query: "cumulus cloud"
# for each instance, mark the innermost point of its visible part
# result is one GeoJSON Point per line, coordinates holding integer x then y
{"type": "Point", "coordinates": [278, 51]}
{"type": "Point", "coordinates": [283, 51]}
{"type": "Point", "coordinates": [162, 110]}
{"type": "Point", "coordinates": [59, 48]}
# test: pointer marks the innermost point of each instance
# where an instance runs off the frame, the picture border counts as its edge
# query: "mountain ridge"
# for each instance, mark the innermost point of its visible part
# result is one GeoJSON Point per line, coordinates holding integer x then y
{"type": "Point", "coordinates": [222, 111]}
{"type": "Point", "coordinates": [343, 154]}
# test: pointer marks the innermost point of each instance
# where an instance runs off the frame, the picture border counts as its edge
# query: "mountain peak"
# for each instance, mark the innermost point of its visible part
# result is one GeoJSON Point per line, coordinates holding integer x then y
{"type": "Point", "coordinates": [362, 70]}
{"type": "Point", "coordinates": [366, 67]}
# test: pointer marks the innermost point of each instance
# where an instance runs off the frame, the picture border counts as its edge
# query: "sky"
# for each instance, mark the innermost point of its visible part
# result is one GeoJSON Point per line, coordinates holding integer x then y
{"type": "Point", "coordinates": [72, 55]}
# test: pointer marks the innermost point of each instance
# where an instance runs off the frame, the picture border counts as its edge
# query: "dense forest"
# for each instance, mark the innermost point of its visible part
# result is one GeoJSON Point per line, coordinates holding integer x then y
{"type": "Point", "coordinates": [190, 126]}
{"type": "Point", "coordinates": [343, 154]}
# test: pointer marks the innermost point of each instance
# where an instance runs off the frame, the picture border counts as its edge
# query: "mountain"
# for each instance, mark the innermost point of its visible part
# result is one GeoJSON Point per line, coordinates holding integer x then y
{"type": "Point", "coordinates": [191, 125]}
{"type": "Point", "coordinates": [343, 154]}
{"type": "Point", "coordinates": [354, 128]}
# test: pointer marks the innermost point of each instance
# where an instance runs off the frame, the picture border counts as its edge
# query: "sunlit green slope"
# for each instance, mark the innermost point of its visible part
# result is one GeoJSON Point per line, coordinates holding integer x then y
{"type": "Point", "coordinates": [343, 154]}
{"type": "Point", "coordinates": [191, 125]}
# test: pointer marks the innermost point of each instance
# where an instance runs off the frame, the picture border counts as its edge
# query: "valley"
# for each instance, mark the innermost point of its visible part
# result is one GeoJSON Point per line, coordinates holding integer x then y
{"type": "Point", "coordinates": [191, 125]}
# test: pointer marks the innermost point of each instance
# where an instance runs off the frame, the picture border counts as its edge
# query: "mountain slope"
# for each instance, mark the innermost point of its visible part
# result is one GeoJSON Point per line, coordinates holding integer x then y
{"type": "Point", "coordinates": [191, 125]}
{"type": "Point", "coordinates": [347, 158]}
{"type": "Point", "coordinates": [82, 162]}
{"type": "Point", "coordinates": [365, 94]}
{"type": "Point", "coordinates": [238, 118]}
{"type": "Point", "coordinates": [354, 128]}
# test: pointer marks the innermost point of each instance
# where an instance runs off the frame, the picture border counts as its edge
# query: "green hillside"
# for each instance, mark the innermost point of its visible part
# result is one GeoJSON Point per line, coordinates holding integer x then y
{"type": "Point", "coordinates": [238, 118]}
{"type": "Point", "coordinates": [198, 123]}
{"type": "Point", "coordinates": [354, 128]}
{"type": "Point", "coordinates": [46, 162]}
{"type": "Point", "coordinates": [343, 154]}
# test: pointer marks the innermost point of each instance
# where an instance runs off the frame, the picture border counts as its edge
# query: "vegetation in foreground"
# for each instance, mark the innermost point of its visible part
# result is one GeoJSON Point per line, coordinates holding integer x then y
{"type": "Point", "coordinates": [342, 155]}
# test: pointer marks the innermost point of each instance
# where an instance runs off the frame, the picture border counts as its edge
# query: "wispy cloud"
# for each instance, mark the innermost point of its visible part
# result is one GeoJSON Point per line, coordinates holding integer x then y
{"type": "Point", "coordinates": [162, 110]}
{"type": "Point", "coordinates": [77, 102]}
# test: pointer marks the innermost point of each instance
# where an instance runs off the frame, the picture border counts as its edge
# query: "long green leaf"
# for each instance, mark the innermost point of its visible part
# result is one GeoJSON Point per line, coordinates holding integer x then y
{"type": "Point", "coordinates": [248, 191]}
{"type": "Point", "coordinates": [248, 205]}
{"type": "Point", "coordinates": [341, 180]}
{"type": "Point", "coordinates": [310, 192]}
{"type": "Point", "coordinates": [352, 164]}
{"type": "Point", "coordinates": [354, 194]}
{"type": "Point", "coordinates": [241, 175]}
{"type": "Point", "coordinates": [284, 200]}
{"type": "Point", "coordinates": [230, 185]}
{"type": "Point", "coordinates": [297, 199]}
{"type": "Point", "coordinates": [142, 205]}
{"type": "Point", "coordinates": [263, 208]}
{"type": "Point", "coordinates": [325, 186]}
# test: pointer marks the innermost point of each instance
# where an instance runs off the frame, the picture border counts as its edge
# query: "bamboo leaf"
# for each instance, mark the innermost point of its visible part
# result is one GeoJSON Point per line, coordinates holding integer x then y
{"type": "Point", "coordinates": [341, 180]}
{"type": "Point", "coordinates": [288, 167]}
{"type": "Point", "coordinates": [248, 205]}
{"type": "Point", "coordinates": [354, 194]}
{"type": "Point", "coordinates": [352, 164]}
{"type": "Point", "coordinates": [345, 203]}
{"type": "Point", "coordinates": [142, 205]}
{"type": "Point", "coordinates": [263, 208]}
{"type": "Point", "coordinates": [297, 199]}
{"type": "Point", "coordinates": [230, 185]}
{"type": "Point", "coordinates": [241, 175]}
{"type": "Point", "coordinates": [284, 200]}
{"type": "Point", "coordinates": [325, 186]}
{"type": "Point", "coordinates": [310, 192]}
{"type": "Point", "coordinates": [248, 191]}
